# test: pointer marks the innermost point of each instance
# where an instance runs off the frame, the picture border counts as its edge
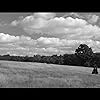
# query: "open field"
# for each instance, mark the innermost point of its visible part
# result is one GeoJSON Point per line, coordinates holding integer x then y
{"type": "Point", "coordinates": [39, 75]}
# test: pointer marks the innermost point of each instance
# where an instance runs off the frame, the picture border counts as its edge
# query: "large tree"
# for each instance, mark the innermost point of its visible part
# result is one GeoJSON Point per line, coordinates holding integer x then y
{"type": "Point", "coordinates": [85, 53]}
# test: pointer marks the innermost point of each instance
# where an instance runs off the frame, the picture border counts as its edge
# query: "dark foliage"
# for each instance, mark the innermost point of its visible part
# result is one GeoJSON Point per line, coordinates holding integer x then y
{"type": "Point", "coordinates": [84, 52]}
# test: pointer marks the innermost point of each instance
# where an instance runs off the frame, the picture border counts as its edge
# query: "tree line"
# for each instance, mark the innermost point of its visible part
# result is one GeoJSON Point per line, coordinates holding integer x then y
{"type": "Point", "coordinates": [83, 56]}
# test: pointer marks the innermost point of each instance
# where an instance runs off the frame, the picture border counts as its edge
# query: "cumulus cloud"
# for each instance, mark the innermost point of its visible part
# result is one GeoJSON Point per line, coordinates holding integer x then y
{"type": "Point", "coordinates": [64, 45]}
{"type": "Point", "coordinates": [45, 45]}
{"type": "Point", "coordinates": [10, 38]}
{"type": "Point", "coordinates": [7, 38]}
{"type": "Point", "coordinates": [60, 27]}
{"type": "Point", "coordinates": [67, 32]}
{"type": "Point", "coordinates": [33, 19]}
{"type": "Point", "coordinates": [56, 42]}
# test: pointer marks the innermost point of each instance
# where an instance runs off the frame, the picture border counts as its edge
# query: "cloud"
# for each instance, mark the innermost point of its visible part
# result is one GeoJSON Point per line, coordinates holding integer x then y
{"type": "Point", "coordinates": [34, 18]}
{"type": "Point", "coordinates": [10, 38]}
{"type": "Point", "coordinates": [43, 42]}
{"type": "Point", "coordinates": [43, 45]}
{"type": "Point", "coordinates": [59, 27]}
{"type": "Point", "coordinates": [51, 49]}
{"type": "Point", "coordinates": [7, 38]}
{"type": "Point", "coordinates": [55, 34]}
{"type": "Point", "coordinates": [64, 45]}
{"type": "Point", "coordinates": [51, 41]}
{"type": "Point", "coordinates": [73, 15]}
{"type": "Point", "coordinates": [14, 23]}
{"type": "Point", "coordinates": [56, 42]}
{"type": "Point", "coordinates": [45, 15]}
{"type": "Point", "coordinates": [92, 19]}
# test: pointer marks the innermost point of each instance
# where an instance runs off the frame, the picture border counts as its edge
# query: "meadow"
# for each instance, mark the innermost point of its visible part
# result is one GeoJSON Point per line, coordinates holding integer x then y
{"type": "Point", "coordinates": [40, 75]}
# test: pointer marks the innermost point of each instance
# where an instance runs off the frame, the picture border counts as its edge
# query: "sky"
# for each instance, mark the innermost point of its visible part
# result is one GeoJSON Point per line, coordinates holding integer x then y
{"type": "Point", "coordinates": [48, 33]}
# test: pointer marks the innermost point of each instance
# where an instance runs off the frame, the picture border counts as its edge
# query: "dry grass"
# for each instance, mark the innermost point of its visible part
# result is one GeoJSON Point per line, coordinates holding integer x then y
{"type": "Point", "coordinates": [37, 75]}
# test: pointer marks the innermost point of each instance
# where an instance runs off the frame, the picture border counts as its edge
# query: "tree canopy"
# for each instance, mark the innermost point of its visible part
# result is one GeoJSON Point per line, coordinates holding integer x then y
{"type": "Point", "coordinates": [85, 53]}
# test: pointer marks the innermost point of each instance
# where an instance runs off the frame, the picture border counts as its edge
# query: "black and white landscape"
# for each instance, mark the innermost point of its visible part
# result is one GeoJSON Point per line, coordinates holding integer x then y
{"type": "Point", "coordinates": [50, 50]}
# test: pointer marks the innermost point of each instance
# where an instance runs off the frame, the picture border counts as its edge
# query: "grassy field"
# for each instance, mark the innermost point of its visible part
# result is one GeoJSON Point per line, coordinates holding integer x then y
{"type": "Point", "coordinates": [39, 75]}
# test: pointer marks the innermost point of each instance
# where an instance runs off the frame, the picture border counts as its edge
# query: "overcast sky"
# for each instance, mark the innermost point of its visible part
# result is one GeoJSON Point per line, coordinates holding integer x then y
{"type": "Point", "coordinates": [48, 33]}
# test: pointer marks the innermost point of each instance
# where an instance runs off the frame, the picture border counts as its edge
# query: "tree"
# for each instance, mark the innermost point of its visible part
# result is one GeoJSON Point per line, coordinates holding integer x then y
{"type": "Point", "coordinates": [85, 54]}
{"type": "Point", "coordinates": [60, 60]}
